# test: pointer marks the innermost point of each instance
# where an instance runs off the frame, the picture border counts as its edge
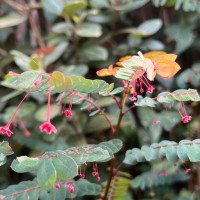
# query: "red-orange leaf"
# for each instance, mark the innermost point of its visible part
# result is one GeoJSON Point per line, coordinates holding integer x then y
{"type": "Point", "coordinates": [110, 71]}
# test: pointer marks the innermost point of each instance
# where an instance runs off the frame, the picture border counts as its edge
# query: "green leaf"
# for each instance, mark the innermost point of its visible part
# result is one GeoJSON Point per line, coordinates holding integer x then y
{"type": "Point", "coordinates": [131, 5]}
{"type": "Point", "coordinates": [182, 35]}
{"type": "Point", "coordinates": [71, 7]}
{"type": "Point", "coordinates": [46, 175]}
{"type": "Point", "coordinates": [144, 102]}
{"type": "Point", "coordinates": [93, 53]}
{"type": "Point", "coordinates": [178, 95]}
{"type": "Point", "coordinates": [145, 115]}
{"type": "Point", "coordinates": [89, 30]}
{"type": "Point", "coordinates": [75, 70]}
{"type": "Point", "coordinates": [99, 119]}
{"type": "Point", "coordinates": [31, 190]}
{"type": "Point", "coordinates": [99, 4]}
{"type": "Point", "coordinates": [5, 150]}
{"type": "Point", "coordinates": [149, 27]}
{"type": "Point", "coordinates": [154, 178]}
{"type": "Point", "coordinates": [117, 90]}
{"type": "Point", "coordinates": [22, 60]}
{"type": "Point", "coordinates": [80, 84]}
{"type": "Point", "coordinates": [184, 150]}
{"type": "Point", "coordinates": [52, 6]}
{"type": "Point", "coordinates": [63, 162]}
{"type": "Point", "coordinates": [25, 164]}
{"type": "Point", "coordinates": [11, 20]}
{"type": "Point", "coordinates": [55, 54]}
{"type": "Point", "coordinates": [36, 62]}
{"type": "Point", "coordinates": [94, 113]}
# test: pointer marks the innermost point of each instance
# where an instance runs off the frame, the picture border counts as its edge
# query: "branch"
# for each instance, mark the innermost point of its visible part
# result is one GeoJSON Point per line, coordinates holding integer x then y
{"type": "Point", "coordinates": [98, 108]}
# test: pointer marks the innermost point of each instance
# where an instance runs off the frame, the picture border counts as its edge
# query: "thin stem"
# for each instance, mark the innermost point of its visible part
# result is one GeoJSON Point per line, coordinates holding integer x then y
{"type": "Point", "coordinates": [36, 32]}
{"type": "Point", "coordinates": [18, 107]}
{"type": "Point", "coordinates": [112, 174]}
{"type": "Point", "coordinates": [130, 108]}
{"type": "Point", "coordinates": [98, 108]}
{"type": "Point", "coordinates": [49, 106]}
{"type": "Point", "coordinates": [112, 165]}
{"type": "Point", "coordinates": [115, 99]}
{"type": "Point", "coordinates": [121, 111]}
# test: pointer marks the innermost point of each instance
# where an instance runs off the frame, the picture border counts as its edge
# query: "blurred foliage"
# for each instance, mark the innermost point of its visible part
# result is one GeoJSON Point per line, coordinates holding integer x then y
{"type": "Point", "coordinates": [78, 37]}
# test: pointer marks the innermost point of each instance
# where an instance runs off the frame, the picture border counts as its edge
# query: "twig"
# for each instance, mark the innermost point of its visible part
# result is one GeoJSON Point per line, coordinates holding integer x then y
{"type": "Point", "coordinates": [98, 108]}
{"type": "Point", "coordinates": [36, 31]}
{"type": "Point", "coordinates": [112, 165]}
{"type": "Point", "coordinates": [130, 108]}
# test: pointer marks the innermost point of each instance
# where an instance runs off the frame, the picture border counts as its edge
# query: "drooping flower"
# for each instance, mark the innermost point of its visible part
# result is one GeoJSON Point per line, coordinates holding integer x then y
{"type": "Point", "coordinates": [47, 126]}
{"type": "Point", "coordinates": [184, 116]}
{"type": "Point", "coordinates": [57, 186]}
{"type": "Point", "coordinates": [5, 130]}
{"type": "Point", "coordinates": [95, 172]}
{"type": "Point", "coordinates": [68, 112]}
{"type": "Point", "coordinates": [70, 186]}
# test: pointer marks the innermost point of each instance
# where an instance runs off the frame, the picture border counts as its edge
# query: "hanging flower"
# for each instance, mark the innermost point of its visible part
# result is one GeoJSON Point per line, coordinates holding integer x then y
{"type": "Point", "coordinates": [47, 126]}
{"type": "Point", "coordinates": [5, 130]}
{"type": "Point", "coordinates": [184, 116]}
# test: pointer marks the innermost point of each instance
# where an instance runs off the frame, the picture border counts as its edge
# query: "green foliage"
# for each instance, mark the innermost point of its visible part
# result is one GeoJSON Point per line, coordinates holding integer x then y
{"type": "Point", "coordinates": [69, 41]}
{"type": "Point", "coordinates": [163, 173]}
{"type": "Point", "coordinates": [63, 165]}
{"type": "Point", "coordinates": [184, 150]}
{"type": "Point", "coordinates": [30, 189]}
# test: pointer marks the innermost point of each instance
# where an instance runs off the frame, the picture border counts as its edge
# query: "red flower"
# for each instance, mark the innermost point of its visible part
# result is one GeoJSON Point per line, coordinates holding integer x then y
{"type": "Point", "coordinates": [68, 112]}
{"type": "Point", "coordinates": [48, 127]}
{"type": "Point", "coordinates": [186, 118]}
{"type": "Point", "coordinates": [6, 130]}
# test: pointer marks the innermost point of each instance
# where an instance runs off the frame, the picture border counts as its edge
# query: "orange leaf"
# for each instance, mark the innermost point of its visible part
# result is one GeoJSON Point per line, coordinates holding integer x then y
{"type": "Point", "coordinates": [166, 68]}
{"type": "Point", "coordinates": [153, 54]}
{"type": "Point", "coordinates": [168, 56]}
{"type": "Point", "coordinates": [45, 50]}
{"type": "Point", "coordinates": [110, 71]}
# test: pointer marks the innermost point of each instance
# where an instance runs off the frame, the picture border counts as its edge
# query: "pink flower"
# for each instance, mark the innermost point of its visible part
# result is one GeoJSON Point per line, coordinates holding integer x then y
{"type": "Point", "coordinates": [155, 121]}
{"type": "Point", "coordinates": [150, 89]}
{"type": "Point", "coordinates": [186, 118]}
{"type": "Point", "coordinates": [70, 186]}
{"type": "Point", "coordinates": [57, 186]}
{"type": "Point", "coordinates": [6, 130]}
{"type": "Point", "coordinates": [187, 170]}
{"type": "Point", "coordinates": [132, 98]}
{"type": "Point", "coordinates": [68, 112]}
{"type": "Point", "coordinates": [48, 127]}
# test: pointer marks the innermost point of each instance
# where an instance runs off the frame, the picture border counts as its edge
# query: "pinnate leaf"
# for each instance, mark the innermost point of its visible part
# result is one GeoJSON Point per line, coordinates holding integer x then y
{"type": "Point", "coordinates": [31, 190]}
{"type": "Point", "coordinates": [178, 95]}
{"type": "Point", "coordinates": [184, 150]}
